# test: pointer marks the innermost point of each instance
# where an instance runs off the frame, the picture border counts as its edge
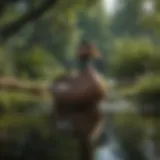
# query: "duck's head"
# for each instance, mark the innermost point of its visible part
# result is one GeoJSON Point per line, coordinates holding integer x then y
{"type": "Point", "coordinates": [87, 52]}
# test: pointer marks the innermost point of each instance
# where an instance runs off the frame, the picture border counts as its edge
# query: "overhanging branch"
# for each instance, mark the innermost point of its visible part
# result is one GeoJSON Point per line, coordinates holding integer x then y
{"type": "Point", "coordinates": [13, 27]}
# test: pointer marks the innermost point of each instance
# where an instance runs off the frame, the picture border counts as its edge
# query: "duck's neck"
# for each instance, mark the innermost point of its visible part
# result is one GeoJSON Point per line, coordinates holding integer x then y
{"type": "Point", "coordinates": [84, 64]}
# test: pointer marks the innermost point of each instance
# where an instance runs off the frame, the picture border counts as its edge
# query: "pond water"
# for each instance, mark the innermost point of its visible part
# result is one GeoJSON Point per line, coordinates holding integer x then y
{"type": "Point", "coordinates": [110, 151]}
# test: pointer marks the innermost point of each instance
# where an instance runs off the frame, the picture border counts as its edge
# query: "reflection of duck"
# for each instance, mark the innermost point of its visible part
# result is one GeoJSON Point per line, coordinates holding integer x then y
{"type": "Point", "coordinates": [81, 89]}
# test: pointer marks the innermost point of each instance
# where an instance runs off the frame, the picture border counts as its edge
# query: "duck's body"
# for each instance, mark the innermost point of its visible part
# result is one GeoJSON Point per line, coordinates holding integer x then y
{"type": "Point", "coordinates": [84, 88]}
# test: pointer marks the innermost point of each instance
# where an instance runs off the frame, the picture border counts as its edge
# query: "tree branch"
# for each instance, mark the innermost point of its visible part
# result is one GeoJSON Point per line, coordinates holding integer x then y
{"type": "Point", "coordinates": [13, 27]}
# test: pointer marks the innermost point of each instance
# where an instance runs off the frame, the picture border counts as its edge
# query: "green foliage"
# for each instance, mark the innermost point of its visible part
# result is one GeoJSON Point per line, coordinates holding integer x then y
{"type": "Point", "coordinates": [11, 14]}
{"type": "Point", "coordinates": [147, 89]}
{"type": "Point", "coordinates": [127, 19]}
{"type": "Point", "coordinates": [5, 68]}
{"type": "Point", "coordinates": [151, 21]}
{"type": "Point", "coordinates": [132, 57]}
{"type": "Point", "coordinates": [154, 62]}
{"type": "Point", "coordinates": [137, 59]}
{"type": "Point", "coordinates": [15, 102]}
{"type": "Point", "coordinates": [130, 131]}
{"type": "Point", "coordinates": [36, 64]}
{"type": "Point", "coordinates": [145, 94]}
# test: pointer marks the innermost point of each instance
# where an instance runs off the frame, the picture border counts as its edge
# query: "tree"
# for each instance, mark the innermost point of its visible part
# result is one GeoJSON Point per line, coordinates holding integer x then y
{"type": "Point", "coordinates": [57, 36]}
{"type": "Point", "coordinates": [60, 42]}
{"type": "Point", "coordinates": [127, 20]}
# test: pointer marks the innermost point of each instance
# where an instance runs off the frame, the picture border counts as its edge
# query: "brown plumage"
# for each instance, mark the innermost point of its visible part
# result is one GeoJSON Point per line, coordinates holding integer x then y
{"type": "Point", "coordinates": [83, 89]}
{"type": "Point", "coordinates": [76, 97]}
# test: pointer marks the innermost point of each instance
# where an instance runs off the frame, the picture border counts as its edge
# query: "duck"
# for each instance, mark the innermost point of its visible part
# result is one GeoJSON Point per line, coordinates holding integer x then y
{"type": "Point", "coordinates": [83, 89]}
{"type": "Point", "coordinates": [77, 96]}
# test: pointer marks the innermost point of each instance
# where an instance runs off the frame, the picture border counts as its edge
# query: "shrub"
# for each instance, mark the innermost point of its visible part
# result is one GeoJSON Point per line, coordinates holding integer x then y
{"type": "Point", "coordinates": [145, 93]}
{"type": "Point", "coordinates": [18, 102]}
{"type": "Point", "coordinates": [154, 63]}
{"type": "Point", "coordinates": [131, 58]}
{"type": "Point", "coordinates": [147, 89]}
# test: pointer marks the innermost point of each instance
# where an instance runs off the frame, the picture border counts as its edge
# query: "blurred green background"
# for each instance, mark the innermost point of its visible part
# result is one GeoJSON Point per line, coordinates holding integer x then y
{"type": "Point", "coordinates": [38, 42]}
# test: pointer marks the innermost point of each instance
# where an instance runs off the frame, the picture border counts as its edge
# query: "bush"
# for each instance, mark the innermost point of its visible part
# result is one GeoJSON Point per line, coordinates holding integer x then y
{"type": "Point", "coordinates": [14, 102]}
{"type": "Point", "coordinates": [5, 63]}
{"type": "Point", "coordinates": [154, 63]}
{"type": "Point", "coordinates": [147, 89]}
{"type": "Point", "coordinates": [145, 93]}
{"type": "Point", "coordinates": [131, 58]}
{"type": "Point", "coordinates": [37, 64]}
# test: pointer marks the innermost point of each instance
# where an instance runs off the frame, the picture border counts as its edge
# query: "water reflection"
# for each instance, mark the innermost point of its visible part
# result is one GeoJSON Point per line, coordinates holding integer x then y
{"type": "Point", "coordinates": [105, 153]}
{"type": "Point", "coordinates": [110, 150]}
